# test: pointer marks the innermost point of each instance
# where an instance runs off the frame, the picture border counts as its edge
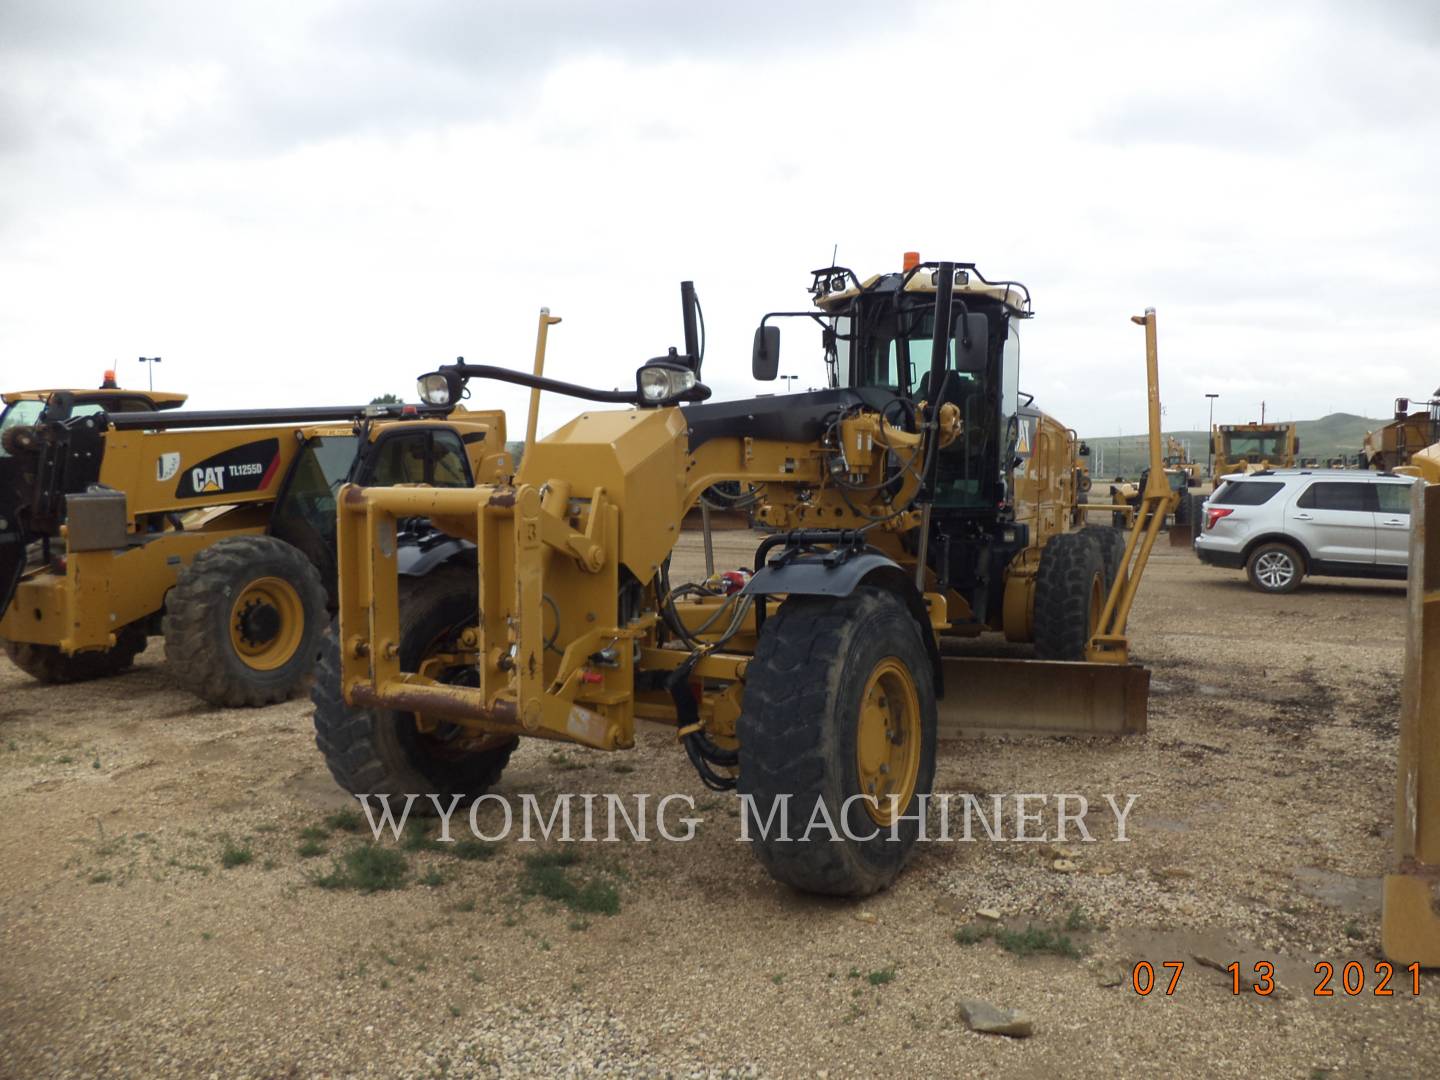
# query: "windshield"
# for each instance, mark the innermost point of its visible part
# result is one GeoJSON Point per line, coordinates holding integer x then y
{"type": "Point", "coordinates": [892, 350]}
{"type": "Point", "coordinates": [20, 414]}
{"type": "Point", "coordinates": [1267, 445]}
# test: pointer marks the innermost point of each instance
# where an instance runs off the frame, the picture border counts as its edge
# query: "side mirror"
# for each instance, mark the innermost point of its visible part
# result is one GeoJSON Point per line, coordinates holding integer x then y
{"type": "Point", "coordinates": [1083, 450]}
{"type": "Point", "coordinates": [765, 358]}
{"type": "Point", "coordinates": [972, 341]}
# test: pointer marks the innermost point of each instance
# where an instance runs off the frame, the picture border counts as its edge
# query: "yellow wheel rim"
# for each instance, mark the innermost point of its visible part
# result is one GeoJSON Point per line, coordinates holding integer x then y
{"type": "Point", "coordinates": [887, 740]}
{"type": "Point", "coordinates": [267, 622]}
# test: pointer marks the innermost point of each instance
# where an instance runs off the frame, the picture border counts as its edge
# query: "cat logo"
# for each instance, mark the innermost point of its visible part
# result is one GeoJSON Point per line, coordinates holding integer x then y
{"type": "Point", "coordinates": [203, 480]}
{"type": "Point", "coordinates": [1022, 440]}
{"type": "Point", "coordinates": [166, 466]}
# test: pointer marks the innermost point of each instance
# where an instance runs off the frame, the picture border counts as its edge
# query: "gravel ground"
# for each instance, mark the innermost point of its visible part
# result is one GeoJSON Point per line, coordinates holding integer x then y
{"type": "Point", "coordinates": [1262, 826]}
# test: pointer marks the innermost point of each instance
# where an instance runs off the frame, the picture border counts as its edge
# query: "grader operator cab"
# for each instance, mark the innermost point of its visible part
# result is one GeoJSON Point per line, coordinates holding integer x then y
{"type": "Point", "coordinates": [1407, 434]}
{"type": "Point", "coordinates": [123, 517]}
{"type": "Point", "coordinates": [920, 497]}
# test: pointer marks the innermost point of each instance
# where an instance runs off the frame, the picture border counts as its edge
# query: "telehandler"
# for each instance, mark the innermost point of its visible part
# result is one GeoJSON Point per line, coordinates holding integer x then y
{"type": "Point", "coordinates": [920, 497]}
{"type": "Point", "coordinates": [123, 517]}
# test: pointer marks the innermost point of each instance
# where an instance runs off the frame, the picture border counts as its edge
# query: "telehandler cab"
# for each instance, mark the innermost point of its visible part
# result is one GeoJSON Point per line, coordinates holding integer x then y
{"type": "Point", "coordinates": [918, 498]}
{"type": "Point", "coordinates": [123, 517]}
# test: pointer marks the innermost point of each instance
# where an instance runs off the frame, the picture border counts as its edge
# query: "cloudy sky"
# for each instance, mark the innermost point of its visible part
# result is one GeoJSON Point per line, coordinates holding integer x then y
{"type": "Point", "coordinates": [315, 200]}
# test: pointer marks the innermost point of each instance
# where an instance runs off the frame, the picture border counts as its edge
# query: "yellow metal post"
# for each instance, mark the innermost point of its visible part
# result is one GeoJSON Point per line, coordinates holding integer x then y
{"type": "Point", "coordinates": [1409, 924]}
{"type": "Point", "coordinates": [541, 334]}
{"type": "Point", "coordinates": [1110, 644]}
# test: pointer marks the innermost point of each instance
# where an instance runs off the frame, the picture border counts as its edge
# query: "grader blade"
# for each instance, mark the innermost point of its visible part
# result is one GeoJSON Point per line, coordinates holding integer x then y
{"type": "Point", "coordinates": [1410, 924]}
{"type": "Point", "coordinates": [1043, 697]}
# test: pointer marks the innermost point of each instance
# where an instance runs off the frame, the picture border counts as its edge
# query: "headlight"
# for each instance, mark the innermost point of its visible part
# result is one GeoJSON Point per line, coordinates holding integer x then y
{"type": "Point", "coordinates": [434, 389]}
{"type": "Point", "coordinates": [661, 382]}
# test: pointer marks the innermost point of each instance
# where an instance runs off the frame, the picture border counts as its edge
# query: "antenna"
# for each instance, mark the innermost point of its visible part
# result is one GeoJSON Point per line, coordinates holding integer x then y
{"type": "Point", "coordinates": [835, 253]}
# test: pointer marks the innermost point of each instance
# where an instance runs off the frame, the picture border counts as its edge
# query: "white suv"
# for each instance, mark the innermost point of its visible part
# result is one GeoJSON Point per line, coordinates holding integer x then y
{"type": "Point", "coordinates": [1281, 524]}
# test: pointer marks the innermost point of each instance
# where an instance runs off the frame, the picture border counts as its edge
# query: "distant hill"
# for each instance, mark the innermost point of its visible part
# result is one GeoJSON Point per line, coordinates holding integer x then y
{"type": "Point", "coordinates": [1336, 435]}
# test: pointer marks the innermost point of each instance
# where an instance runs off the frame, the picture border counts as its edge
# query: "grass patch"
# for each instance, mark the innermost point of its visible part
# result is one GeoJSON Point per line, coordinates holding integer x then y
{"type": "Point", "coordinates": [366, 869]}
{"type": "Point", "coordinates": [621, 768]}
{"type": "Point", "coordinates": [1036, 939]}
{"type": "Point", "coordinates": [471, 850]}
{"type": "Point", "coordinates": [309, 848]}
{"type": "Point", "coordinates": [100, 877]}
{"type": "Point", "coordinates": [233, 855]}
{"type": "Point", "coordinates": [314, 832]}
{"type": "Point", "coordinates": [1353, 931]}
{"type": "Point", "coordinates": [432, 877]}
{"type": "Point", "coordinates": [881, 977]}
{"type": "Point", "coordinates": [467, 905]}
{"type": "Point", "coordinates": [1028, 942]}
{"type": "Point", "coordinates": [1077, 922]}
{"type": "Point", "coordinates": [548, 874]}
{"type": "Point", "coordinates": [348, 821]}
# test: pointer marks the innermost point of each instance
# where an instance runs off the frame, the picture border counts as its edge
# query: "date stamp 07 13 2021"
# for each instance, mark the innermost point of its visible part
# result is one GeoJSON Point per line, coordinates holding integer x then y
{"type": "Point", "coordinates": [1351, 979]}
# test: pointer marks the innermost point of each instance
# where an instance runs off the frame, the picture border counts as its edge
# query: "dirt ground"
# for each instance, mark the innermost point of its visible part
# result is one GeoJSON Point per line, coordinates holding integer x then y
{"type": "Point", "coordinates": [1265, 797]}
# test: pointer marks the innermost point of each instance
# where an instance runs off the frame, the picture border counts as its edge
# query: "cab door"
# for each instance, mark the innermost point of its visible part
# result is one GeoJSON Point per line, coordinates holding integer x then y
{"type": "Point", "coordinates": [1335, 520]}
{"type": "Point", "coordinates": [415, 455]}
{"type": "Point", "coordinates": [1392, 523]}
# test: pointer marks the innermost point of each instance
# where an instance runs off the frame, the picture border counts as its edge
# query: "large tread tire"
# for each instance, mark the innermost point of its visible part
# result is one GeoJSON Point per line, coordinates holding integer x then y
{"type": "Point", "coordinates": [381, 752]}
{"type": "Point", "coordinates": [47, 664]}
{"type": "Point", "coordinates": [1275, 568]}
{"type": "Point", "coordinates": [1066, 598]}
{"type": "Point", "coordinates": [798, 729]}
{"type": "Point", "coordinates": [1112, 548]}
{"type": "Point", "coordinates": [199, 646]}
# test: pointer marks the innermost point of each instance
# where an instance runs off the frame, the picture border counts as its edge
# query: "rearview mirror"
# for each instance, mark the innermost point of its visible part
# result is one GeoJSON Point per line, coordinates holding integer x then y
{"type": "Point", "coordinates": [765, 358]}
{"type": "Point", "coordinates": [972, 340]}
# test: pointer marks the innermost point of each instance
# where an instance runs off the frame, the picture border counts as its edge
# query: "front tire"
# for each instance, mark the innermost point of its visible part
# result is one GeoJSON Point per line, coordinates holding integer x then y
{"type": "Point", "coordinates": [383, 752]}
{"type": "Point", "coordinates": [839, 705]}
{"type": "Point", "coordinates": [1070, 588]}
{"type": "Point", "coordinates": [47, 664]}
{"type": "Point", "coordinates": [243, 622]}
{"type": "Point", "coordinates": [1275, 568]}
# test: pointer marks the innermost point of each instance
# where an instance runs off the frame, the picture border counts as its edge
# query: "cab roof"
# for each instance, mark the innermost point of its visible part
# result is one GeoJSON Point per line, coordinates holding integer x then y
{"type": "Point", "coordinates": [158, 399]}
{"type": "Point", "coordinates": [968, 283]}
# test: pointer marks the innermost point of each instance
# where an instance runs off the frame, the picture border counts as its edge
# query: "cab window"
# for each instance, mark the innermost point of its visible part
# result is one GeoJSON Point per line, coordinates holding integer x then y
{"type": "Point", "coordinates": [1335, 495]}
{"type": "Point", "coordinates": [419, 457]}
{"type": "Point", "coordinates": [1394, 498]}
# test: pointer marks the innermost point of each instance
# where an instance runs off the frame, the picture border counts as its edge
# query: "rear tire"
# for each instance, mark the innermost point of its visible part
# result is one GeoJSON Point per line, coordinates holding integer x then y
{"type": "Point", "coordinates": [47, 664]}
{"type": "Point", "coordinates": [383, 752]}
{"type": "Point", "coordinates": [243, 623]}
{"type": "Point", "coordinates": [1069, 596]}
{"type": "Point", "coordinates": [1275, 568]}
{"type": "Point", "coordinates": [838, 688]}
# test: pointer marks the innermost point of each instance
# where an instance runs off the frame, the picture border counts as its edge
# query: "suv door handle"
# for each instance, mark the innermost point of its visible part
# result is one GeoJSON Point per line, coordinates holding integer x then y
{"type": "Point", "coordinates": [1303, 517]}
{"type": "Point", "coordinates": [1397, 521]}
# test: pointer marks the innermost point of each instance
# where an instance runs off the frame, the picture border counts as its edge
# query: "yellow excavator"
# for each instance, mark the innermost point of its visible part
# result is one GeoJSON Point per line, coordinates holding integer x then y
{"type": "Point", "coordinates": [919, 499]}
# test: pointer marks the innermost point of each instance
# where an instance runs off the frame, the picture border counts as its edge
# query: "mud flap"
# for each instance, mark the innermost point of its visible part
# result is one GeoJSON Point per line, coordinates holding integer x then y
{"type": "Point", "coordinates": [1044, 697]}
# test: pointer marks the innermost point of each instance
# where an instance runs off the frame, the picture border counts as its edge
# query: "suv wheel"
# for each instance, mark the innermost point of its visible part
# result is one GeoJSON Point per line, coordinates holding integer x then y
{"type": "Point", "coordinates": [1275, 568]}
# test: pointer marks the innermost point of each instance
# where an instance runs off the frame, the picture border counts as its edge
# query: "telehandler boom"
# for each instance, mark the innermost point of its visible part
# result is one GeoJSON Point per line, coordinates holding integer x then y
{"type": "Point", "coordinates": [921, 497]}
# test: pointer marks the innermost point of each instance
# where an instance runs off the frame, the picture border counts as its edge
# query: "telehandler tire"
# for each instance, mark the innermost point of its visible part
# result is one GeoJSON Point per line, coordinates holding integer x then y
{"type": "Point", "coordinates": [839, 704]}
{"type": "Point", "coordinates": [1112, 549]}
{"type": "Point", "coordinates": [1069, 596]}
{"type": "Point", "coordinates": [47, 664]}
{"type": "Point", "coordinates": [382, 752]}
{"type": "Point", "coordinates": [243, 623]}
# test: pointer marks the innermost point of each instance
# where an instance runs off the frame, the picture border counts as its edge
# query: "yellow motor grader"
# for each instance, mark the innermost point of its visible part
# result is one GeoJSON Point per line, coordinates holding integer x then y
{"type": "Point", "coordinates": [122, 516]}
{"type": "Point", "coordinates": [920, 498]}
{"type": "Point", "coordinates": [1253, 447]}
